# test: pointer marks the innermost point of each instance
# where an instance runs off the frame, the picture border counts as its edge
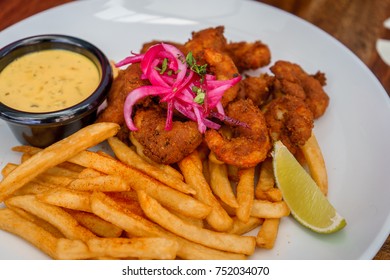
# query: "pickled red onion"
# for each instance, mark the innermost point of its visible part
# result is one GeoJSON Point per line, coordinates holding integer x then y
{"type": "Point", "coordinates": [174, 82]}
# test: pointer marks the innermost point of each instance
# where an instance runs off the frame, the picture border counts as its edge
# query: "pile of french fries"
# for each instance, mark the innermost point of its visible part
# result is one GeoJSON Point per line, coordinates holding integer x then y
{"type": "Point", "coordinates": [74, 203]}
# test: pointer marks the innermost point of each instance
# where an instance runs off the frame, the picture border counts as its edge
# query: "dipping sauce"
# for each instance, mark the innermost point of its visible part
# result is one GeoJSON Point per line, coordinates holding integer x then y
{"type": "Point", "coordinates": [48, 80]}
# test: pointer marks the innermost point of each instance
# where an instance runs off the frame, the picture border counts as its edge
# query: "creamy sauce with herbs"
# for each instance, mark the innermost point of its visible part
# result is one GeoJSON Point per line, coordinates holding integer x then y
{"type": "Point", "coordinates": [47, 81]}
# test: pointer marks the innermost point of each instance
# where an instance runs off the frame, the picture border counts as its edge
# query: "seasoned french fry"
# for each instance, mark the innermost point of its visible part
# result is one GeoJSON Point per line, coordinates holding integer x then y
{"type": "Point", "coordinates": [135, 225]}
{"type": "Point", "coordinates": [316, 163]}
{"type": "Point", "coordinates": [213, 158]}
{"type": "Point", "coordinates": [129, 157]}
{"type": "Point", "coordinates": [217, 240]}
{"type": "Point", "coordinates": [137, 247]}
{"type": "Point", "coordinates": [266, 178]}
{"type": "Point", "coordinates": [169, 197]}
{"type": "Point", "coordinates": [38, 221]}
{"type": "Point", "coordinates": [52, 214]}
{"type": "Point", "coordinates": [8, 168]}
{"type": "Point", "coordinates": [273, 194]}
{"type": "Point", "coordinates": [89, 173]}
{"type": "Point", "coordinates": [29, 231]}
{"type": "Point", "coordinates": [96, 224]}
{"type": "Point", "coordinates": [58, 181]}
{"type": "Point", "coordinates": [267, 234]}
{"type": "Point", "coordinates": [70, 249]}
{"type": "Point", "coordinates": [33, 187]}
{"type": "Point", "coordinates": [104, 183]}
{"type": "Point", "coordinates": [56, 153]}
{"type": "Point", "coordinates": [266, 209]}
{"type": "Point", "coordinates": [128, 201]}
{"type": "Point", "coordinates": [63, 197]}
{"type": "Point", "coordinates": [220, 183]}
{"type": "Point", "coordinates": [240, 227]}
{"type": "Point", "coordinates": [107, 209]}
{"type": "Point", "coordinates": [191, 169]}
{"type": "Point", "coordinates": [245, 193]}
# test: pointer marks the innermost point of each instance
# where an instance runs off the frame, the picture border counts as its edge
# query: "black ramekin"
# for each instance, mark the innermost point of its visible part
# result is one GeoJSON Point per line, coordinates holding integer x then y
{"type": "Point", "coordinates": [43, 129]}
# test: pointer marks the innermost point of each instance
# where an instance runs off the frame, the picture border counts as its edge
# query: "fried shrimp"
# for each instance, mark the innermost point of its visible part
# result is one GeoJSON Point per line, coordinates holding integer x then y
{"type": "Point", "coordinates": [293, 80]}
{"type": "Point", "coordinates": [290, 120]}
{"type": "Point", "coordinates": [209, 38]}
{"type": "Point", "coordinates": [249, 55]}
{"type": "Point", "coordinates": [222, 66]}
{"type": "Point", "coordinates": [249, 144]}
{"type": "Point", "coordinates": [258, 89]}
{"type": "Point", "coordinates": [161, 145]}
{"type": "Point", "coordinates": [127, 80]}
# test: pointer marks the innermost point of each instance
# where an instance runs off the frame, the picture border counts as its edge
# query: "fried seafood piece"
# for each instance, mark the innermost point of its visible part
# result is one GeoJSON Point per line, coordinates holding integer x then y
{"type": "Point", "coordinates": [127, 80]}
{"type": "Point", "coordinates": [291, 79]}
{"type": "Point", "coordinates": [249, 55]}
{"type": "Point", "coordinates": [222, 66]}
{"type": "Point", "coordinates": [249, 144]}
{"type": "Point", "coordinates": [256, 88]}
{"type": "Point", "coordinates": [209, 38]}
{"type": "Point", "coordinates": [290, 120]}
{"type": "Point", "coordinates": [165, 146]}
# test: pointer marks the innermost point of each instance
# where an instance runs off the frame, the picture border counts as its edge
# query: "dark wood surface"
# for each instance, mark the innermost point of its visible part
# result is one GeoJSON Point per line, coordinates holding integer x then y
{"type": "Point", "coordinates": [358, 24]}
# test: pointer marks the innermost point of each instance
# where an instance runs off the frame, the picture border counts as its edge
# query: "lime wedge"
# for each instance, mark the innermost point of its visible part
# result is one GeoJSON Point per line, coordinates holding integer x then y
{"type": "Point", "coordinates": [308, 205]}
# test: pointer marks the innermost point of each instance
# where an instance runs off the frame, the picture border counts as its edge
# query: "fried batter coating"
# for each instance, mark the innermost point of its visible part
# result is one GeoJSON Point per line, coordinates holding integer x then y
{"type": "Point", "coordinates": [257, 89]}
{"type": "Point", "coordinates": [127, 80]}
{"type": "Point", "coordinates": [165, 146]}
{"type": "Point", "coordinates": [249, 145]}
{"type": "Point", "coordinates": [290, 120]}
{"type": "Point", "coordinates": [249, 55]}
{"type": "Point", "coordinates": [209, 38]}
{"type": "Point", "coordinates": [293, 80]}
{"type": "Point", "coordinates": [223, 67]}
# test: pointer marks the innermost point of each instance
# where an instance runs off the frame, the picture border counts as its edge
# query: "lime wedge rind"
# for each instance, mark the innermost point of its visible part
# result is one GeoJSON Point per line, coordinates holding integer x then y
{"type": "Point", "coordinates": [308, 205]}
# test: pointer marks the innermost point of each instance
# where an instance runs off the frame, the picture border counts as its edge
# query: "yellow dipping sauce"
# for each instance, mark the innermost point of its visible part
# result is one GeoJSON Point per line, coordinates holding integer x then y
{"type": "Point", "coordinates": [47, 81]}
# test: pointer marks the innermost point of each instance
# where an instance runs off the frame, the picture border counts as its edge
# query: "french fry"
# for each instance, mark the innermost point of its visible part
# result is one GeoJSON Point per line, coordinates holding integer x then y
{"type": "Point", "coordinates": [220, 183]}
{"type": "Point", "coordinates": [38, 221]}
{"type": "Point", "coordinates": [63, 197]}
{"type": "Point", "coordinates": [135, 225]}
{"type": "Point", "coordinates": [57, 153]}
{"type": "Point", "coordinates": [8, 168]}
{"type": "Point", "coordinates": [155, 248]}
{"type": "Point", "coordinates": [96, 224]}
{"type": "Point", "coordinates": [129, 157]}
{"type": "Point", "coordinates": [58, 181]}
{"type": "Point", "coordinates": [54, 215]}
{"type": "Point", "coordinates": [316, 163]}
{"type": "Point", "coordinates": [245, 193]}
{"type": "Point", "coordinates": [117, 248]}
{"type": "Point", "coordinates": [29, 231]}
{"type": "Point", "coordinates": [89, 173]}
{"type": "Point", "coordinates": [107, 209]}
{"type": "Point", "coordinates": [169, 197]}
{"type": "Point", "coordinates": [218, 219]}
{"type": "Point", "coordinates": [70, 249]}
{"type": "Point", "coordinates": [273, 194]}
{"type": "Point", "coordinates": [127, 201]}
{"type": "Point", "coordinates": [239, 227]}
{"type": "Point", "coordinates": [213, 158]}
{"type": "Point", "coordinates": [266, 178]}
{"type": "Point", "coordinates": [266, 209]}
{"type": "Point", "coordinates": [104, 183]}
{"type": "Point", "coordinates": [267, 234]}
{"type": "Point", "coordinates": [217, 240]}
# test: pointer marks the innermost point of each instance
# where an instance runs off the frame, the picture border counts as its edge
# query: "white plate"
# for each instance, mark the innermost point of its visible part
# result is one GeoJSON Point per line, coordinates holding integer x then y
{"type": "Point", "coordinates": [354, 133]}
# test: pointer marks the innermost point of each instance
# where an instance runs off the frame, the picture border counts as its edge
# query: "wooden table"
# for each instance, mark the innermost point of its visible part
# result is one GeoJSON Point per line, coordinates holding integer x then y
{"type": "Point", "coordinates": [357, 24]}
